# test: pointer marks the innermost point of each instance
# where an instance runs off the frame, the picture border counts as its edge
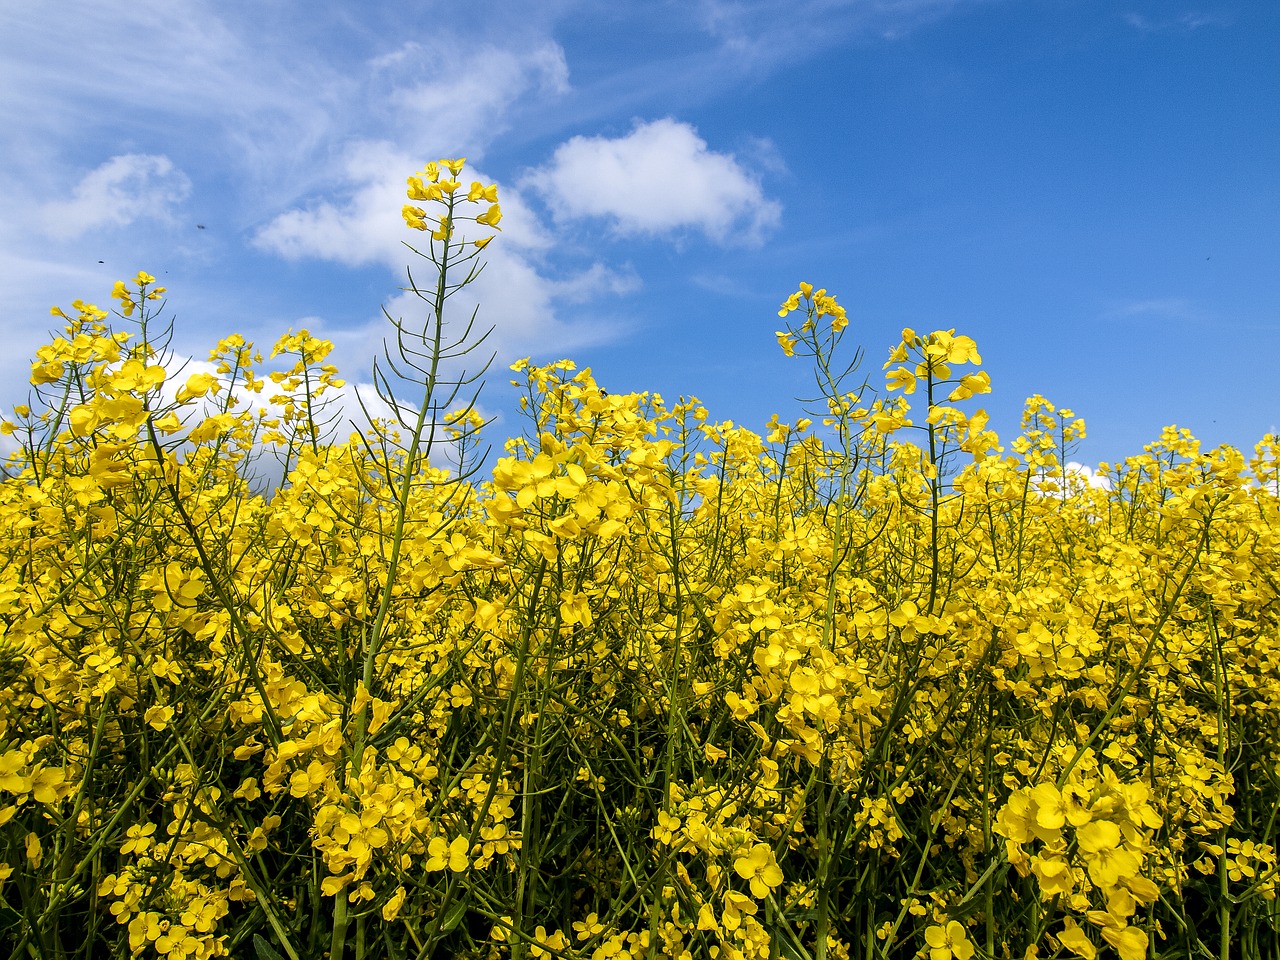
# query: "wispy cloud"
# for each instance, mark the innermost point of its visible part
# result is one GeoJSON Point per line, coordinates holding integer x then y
{"type": "Point", "coordinates": [1182, 23]}
{"type": "Point", "coordinates": [129, 187]}
{"type": "Point", "coordinates": [753, 24]}
{"type": "Point", "coordinates": [660, 178]}
{"type": "Point", "coordinates": [450, 91]}
{"type": "Point", "coordinates": [1154, 308]}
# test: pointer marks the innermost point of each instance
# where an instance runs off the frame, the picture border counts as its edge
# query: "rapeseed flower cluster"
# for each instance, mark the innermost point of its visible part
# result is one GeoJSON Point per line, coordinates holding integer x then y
{"type": "Point", "coordinates": [870, 682]}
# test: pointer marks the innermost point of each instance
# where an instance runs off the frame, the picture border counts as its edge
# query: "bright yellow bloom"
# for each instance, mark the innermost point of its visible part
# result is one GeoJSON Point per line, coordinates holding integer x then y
{"type": "Point", "coordinates": [159, 716]}
{"type": "Point", "coordinates": [1074, 939]}
{"type": "Point", "coordinates": [442, 854]}
{"type": "Point", "coordinates": [949, 941]}
{"type": "Point", "coordinates": [1130, 942]}
{"type": "Point", "coordinates": [198, 385]}
{"type": "Point", "coordinates": [414, 217]}
{"type": "Point", "coordinates": [760, 869]}
{"type": "Point", "coordinates": [589, 927]}
{"type": "Point", "coordinates": [480, 192]}
{"type": "Point", "coordinates": [491, 216]}
{"type": "Point", "coordinates": [391, 909]}
{"type": "Point", "coordinates": [970, 385]}
{"type": "Point", "coordinates": [901, 379]}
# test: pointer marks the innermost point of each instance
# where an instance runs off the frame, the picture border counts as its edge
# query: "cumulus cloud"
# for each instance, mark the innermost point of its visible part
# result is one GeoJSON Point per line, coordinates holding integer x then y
{"type": "Point", "coordinates": [129, 187]}
{"type": "Point", "coordinates": [523, 307]}
{"type": "Point", "coordinates": [1087, 476]}
{"type": "Point", "coordinates": [363, 227]}
{"type": "Point", "coordinates": [364, 224]}
{"type": "Point", "coordinates": [660, 178]}
{"type": "Point", "coordinates": [518, 297]}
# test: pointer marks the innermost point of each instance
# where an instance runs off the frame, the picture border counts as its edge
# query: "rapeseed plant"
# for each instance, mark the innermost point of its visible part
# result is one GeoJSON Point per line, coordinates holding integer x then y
{"type": "Point", "coordinates": [868, 684]}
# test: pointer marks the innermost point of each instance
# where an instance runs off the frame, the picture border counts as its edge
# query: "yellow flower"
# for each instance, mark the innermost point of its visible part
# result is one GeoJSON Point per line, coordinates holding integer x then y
{"type": "Point", "coordinates": [139, 838]}
{"type": "Point", "coordinates": [442, 853]}
{"type": "Point", "coordinates": [158, 717]}
{"type": "Point", "coordinates": [480, 192]}
{"type": "Point", "coordinates": [1129, 942]}
{"type": "Point", "coordinates": [391, 909]}
{"type": "Point", "coordinates": [1098, 836]}
{"type": "Point", "coordinates": [197, 385]}
{"type": "Point", "coordinates": [949, 941]}
{"type": "Point", "coordinates": [1054, 876]}
{"type": "Point", "coordinates": [760, 869]}
{"type": "Point", "coordinates": [1074, 939]}
{"type": "Point", "coordinates": [971, 384]}
{"type": "Point", "coordinates": [491, 217]}
{"type": "Point", "coordinates": [589, 927]}
{"type": "Point", "coordinates": [303, 783]}
{"type": "Point", "coordinates": [707, 918]}
{"type": "Point", "coordinates": [423, 191]}
{"type": "Point", "coordinates": [666, 828]}
{"type": "Point", "coordinates": [414, 217]}
{"type": "Point", "coordinates": [901, 379]}
{"type": "Point", "coordinates": [35, 853]}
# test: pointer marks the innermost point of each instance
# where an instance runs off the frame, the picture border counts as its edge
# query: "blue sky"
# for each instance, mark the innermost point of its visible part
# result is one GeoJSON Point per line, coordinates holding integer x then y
{"type": "Point", "coordinates": [1088, 188]}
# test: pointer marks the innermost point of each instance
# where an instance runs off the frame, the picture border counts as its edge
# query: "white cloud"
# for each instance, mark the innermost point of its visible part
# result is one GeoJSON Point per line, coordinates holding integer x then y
{"type": "Point", "coordinates": [595, 280]}
{"type": "Point", "coordinates": [660, 178]}
{"type": "Point", "coordinates": [751, 26]}
{"type": "Point", "coordinates": [522, 307]}
{"type": "Point", "coordinates": [1186, 22]}
{"type": "Point", "coordinates": [129, 187]}
{"type": "Point", "coordinates": [1157, 308]}
{"type": "Point", "coordinates": [444, 96]}
{"type": "Point", "coordinates": [514, 294]}
{"type": "Point", "coordinates": [1087, 476]}
{"type": "Point", "coordinates": [365, 227]}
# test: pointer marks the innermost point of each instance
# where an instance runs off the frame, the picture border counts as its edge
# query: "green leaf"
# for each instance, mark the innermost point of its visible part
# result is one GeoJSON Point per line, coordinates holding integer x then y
{"type": "Point", "coordinates": [264, 950]}
{"type": "Point", "coordinates": [454, 916]}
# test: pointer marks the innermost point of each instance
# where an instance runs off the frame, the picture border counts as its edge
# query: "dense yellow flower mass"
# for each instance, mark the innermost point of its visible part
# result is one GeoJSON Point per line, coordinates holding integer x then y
{"type": "Point", "coordinates": [871, 683]}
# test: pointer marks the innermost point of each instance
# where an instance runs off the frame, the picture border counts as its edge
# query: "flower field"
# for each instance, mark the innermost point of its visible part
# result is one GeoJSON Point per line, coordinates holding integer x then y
{"type": "Point", "coordinates": [869, 683]}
